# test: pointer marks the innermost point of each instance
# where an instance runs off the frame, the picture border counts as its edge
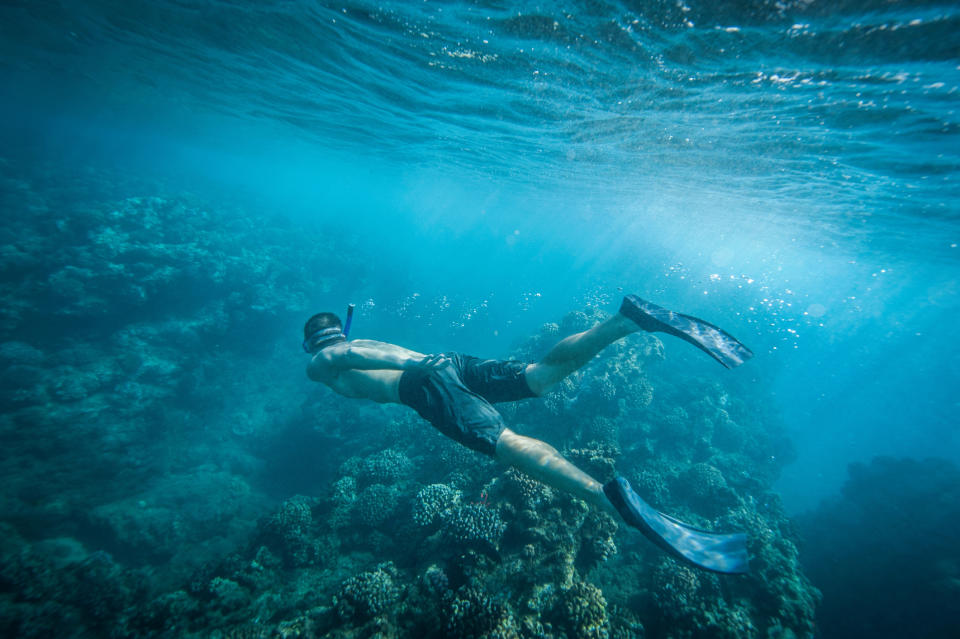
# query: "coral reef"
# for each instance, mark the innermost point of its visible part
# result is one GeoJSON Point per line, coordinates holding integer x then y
{"type": "Point", "coordinates": [161, 482]}
{"type": "Point", "coordinates": [386, 467]}
{"type": "Point", "coordinates": [435, 503]}
{"type": "Point", "coordinates": [290, 527]}
{"type": "Point", "coordinates": [526, 490]}
{"type": "Point", "coordinates": [473, 614]}
{"type": "Point", "coordinates": [474, 523]}
{"type": "Point", "coordinates": [376, 504]}
{"type": "Point", "coordinates": [57, 584]}
{"type": "Point", "coordinates": [368, 594]}
{"type": "Point", "coordinates": [584, 610]}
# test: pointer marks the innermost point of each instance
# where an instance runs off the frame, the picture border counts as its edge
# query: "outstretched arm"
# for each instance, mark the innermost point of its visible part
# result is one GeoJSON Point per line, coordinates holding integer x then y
{"type": "Point", "coordinates": [370, 355]}
{"type": "Point", "coordinates": [365, 355]}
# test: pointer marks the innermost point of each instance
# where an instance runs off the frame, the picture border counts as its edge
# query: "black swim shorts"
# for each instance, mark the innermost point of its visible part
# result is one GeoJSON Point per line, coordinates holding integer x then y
{"type": "Point", "coordinates": [456, 396]}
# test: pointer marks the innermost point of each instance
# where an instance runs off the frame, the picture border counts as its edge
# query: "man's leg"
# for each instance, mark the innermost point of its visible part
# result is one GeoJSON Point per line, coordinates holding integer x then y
{"type": "Point", "coordinates": [724, 553]}
{"type": "Point", "coordinates": [542, 461]}
{"type": "Point", "coordinates": [574, 351]}
{"type": "Point", "coordinates": [719, 552]}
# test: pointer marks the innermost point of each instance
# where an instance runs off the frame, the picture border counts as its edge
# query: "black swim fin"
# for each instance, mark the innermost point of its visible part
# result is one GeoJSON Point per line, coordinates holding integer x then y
{"type": "Point", "coordinates": [712, 340]}
{"type": "Point", "coordinates": [718, 552]}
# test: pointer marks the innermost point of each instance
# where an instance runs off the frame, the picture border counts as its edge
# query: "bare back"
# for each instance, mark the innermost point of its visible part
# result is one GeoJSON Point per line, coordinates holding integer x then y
{"type": "Point", "coordinates": [363, 369]}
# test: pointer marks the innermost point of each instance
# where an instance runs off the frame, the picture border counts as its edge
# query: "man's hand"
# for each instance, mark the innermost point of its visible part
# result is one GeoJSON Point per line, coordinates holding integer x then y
{"type": "Point", "coordinates": [437, 360]}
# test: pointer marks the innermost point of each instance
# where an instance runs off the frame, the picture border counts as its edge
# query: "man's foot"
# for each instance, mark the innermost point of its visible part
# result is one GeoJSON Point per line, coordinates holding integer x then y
{"type": "Point", "coordinates": [726, 553]}
{"type": "Point", "coordinates": [715, 342]}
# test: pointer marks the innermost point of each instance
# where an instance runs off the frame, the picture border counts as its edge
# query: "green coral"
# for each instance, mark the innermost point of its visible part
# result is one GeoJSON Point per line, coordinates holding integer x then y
{"type": "Point", "coordinates": [475, 522]}
{"type": "Point", "coordinates": [376, 504]}
{"type": "Point", "coordinates": [368, 594]}
{"type": "Point", "coordinates": [473, 614]}
{"type": "Point", "coordinates": [585, 612]}
{"type": "Point", "coordinates": [290, 529]}
{"type": "Point", "coordinates": [528, 492]}
{"type": "Point", "coordinates": [386, 467]}
{"type": "Point", "coordinates": [435, 503]}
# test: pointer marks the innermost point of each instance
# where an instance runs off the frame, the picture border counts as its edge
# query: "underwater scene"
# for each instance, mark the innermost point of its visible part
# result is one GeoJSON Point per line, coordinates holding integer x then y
{"type": "Point", "coordinates": [490, 319]}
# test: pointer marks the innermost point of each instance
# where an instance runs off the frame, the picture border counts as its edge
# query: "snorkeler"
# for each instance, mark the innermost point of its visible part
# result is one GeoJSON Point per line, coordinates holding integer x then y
{"type": "Point", "coordinates": [456, 393]}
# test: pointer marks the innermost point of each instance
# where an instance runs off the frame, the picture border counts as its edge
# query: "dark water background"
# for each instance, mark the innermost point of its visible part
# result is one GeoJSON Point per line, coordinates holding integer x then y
{"type": "Point", "coordinates": [472, 170]}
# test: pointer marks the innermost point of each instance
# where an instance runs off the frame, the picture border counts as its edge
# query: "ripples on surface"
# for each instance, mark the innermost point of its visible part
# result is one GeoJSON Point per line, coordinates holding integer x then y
{"type": "Point", "coordinates": [850, 104]}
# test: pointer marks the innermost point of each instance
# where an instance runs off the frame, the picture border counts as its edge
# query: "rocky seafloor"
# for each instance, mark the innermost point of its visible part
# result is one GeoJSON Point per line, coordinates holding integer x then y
{"type": "Point", "coordinates": [168, 471]}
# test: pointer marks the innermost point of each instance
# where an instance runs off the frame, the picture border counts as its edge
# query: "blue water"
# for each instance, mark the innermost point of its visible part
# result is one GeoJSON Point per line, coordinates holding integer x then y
{"type": "Point", "coordinates": [787, 170]}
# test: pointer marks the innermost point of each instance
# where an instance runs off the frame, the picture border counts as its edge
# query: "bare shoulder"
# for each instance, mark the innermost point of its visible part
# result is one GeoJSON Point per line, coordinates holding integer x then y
{"type": "Point", "coordinates": [371, 343]}
{"type": "Point", "coordinates": [384, 347]}
{"type": "Point", "coordinates": [321, 367]}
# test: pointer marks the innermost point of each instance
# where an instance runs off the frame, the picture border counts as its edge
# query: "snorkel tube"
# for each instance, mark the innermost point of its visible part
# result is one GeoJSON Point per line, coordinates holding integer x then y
{"type": "Point", "coordinates": [346, 326]}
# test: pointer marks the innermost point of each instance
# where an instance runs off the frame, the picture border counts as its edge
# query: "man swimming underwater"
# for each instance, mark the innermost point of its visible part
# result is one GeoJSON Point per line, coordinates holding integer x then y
{"type": "Point", "coordinates": [456, 393]}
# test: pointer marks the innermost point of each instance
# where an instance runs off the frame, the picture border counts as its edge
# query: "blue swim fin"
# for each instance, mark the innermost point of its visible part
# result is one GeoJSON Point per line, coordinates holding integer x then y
{"type": "Point", "coordinates": [712, 340]}
{"type": "Point", "coordinates": [718, 552]}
